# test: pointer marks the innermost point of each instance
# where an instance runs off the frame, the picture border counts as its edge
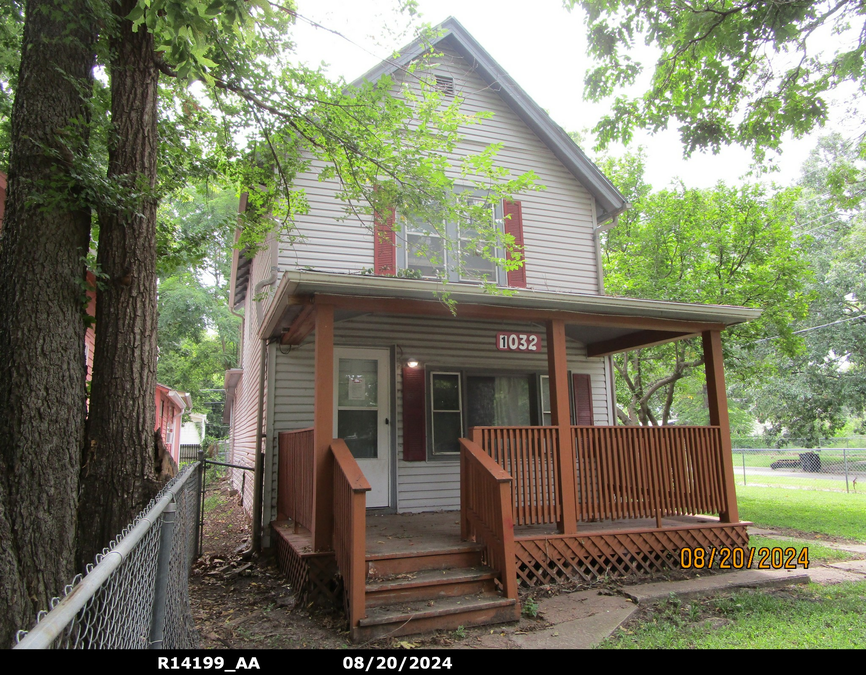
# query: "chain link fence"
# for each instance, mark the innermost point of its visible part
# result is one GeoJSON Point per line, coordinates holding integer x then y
{"type": "Point", "coordinates": [137, 594]}
{"type": "Point", "coordinates": [838, 466]}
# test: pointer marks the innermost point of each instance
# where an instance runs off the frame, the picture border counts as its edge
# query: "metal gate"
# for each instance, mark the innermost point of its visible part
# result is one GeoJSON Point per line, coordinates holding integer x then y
{"type": "Point", "coordinates": [226, 501]}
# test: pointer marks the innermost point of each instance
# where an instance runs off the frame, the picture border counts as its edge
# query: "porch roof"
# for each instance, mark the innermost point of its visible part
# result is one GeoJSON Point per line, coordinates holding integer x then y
{"type": "Point", "coordinates": [607, 324]}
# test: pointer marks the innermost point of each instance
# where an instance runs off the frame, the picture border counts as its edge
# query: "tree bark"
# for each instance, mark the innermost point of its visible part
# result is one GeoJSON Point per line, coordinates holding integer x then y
{"type": "Point", "coordinates": [118, 476]}
{"type": "Point", "coordinates": [42, 324]}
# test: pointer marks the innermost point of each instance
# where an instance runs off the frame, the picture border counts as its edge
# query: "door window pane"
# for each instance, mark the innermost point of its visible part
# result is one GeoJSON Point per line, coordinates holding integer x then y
{"type": "Point", "coordinates": [360, 430]}
{"type": "Point", "coordinates": [358, 383]}
{"type": "Point", "coordinates": [357, 406]}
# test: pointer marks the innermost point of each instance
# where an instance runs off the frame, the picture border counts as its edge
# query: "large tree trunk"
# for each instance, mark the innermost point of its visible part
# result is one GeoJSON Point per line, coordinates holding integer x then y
{"type": "Point", "coordinates": [118, 474]}
{"type": "Point", "coordinates": [42, 376]}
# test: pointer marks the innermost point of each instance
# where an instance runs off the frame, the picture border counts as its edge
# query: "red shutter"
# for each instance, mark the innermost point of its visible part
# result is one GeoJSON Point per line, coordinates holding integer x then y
{"type": "Point", "coordinates": [582, 399]}
{"type": "Point", "coordinates": [384, 248]}
{"type": "Point", "coordinates": [513, 212]}
{"type": "Point", "coordinates": [414, 415]}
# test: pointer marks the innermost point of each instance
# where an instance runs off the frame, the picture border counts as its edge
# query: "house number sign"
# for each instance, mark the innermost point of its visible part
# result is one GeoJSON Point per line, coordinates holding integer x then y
{"type": "Point", "coordinates": [518, 342]}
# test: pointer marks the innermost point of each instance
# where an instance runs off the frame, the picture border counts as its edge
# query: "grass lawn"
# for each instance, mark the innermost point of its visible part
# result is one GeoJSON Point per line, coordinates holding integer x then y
{"type": "Point", "coordinates": [816, 553]}
{"type": "Point", "coordinates": [807, 482]}
{"type": "Point", "coordinates": [830, 513]}
{"type": "Point", "coordinates": [796, 617]}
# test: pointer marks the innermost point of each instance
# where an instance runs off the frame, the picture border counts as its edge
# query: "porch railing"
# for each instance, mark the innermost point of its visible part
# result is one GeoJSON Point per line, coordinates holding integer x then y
{"type": "Point", "coordinates": [644, 472]}
{"type": "Point", "coordinates": [296, 471]}
{"type": "Point", "coordinates": [530, 455]}
{"type": "Point", "coordinates": [621, 472]}
{"type": "Point", "coordinates": [350, 512]}
{"type": "Point", "coordinates": [486, 513]}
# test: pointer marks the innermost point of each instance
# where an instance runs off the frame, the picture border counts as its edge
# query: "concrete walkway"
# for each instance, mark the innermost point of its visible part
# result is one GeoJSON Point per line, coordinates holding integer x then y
{"type": "Point", "coordinates": [583, 619]}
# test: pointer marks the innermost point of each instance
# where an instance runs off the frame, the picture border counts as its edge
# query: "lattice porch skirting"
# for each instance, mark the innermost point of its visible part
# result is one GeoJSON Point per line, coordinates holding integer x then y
{"type": "Point", "coordinates": [554, 558]}
{"type": "Point", "coordinates": [313, 576]}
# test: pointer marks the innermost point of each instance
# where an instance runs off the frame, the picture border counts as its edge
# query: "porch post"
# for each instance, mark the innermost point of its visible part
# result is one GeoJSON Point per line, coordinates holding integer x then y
{"type": "Point", "coordinates": [557, 369]}
{"type": "Point", "coordinates": [718, 404]}
{"type": "Point", "coordinates": [323, 430]}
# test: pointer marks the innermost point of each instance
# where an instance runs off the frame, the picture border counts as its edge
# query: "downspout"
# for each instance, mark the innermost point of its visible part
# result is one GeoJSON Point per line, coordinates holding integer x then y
{"type": "Point", "coordinates": [258, 473]}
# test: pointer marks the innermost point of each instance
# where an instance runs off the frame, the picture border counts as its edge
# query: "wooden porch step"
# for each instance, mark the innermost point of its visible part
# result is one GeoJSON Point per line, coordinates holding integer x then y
{"type": "Point", "coordinates": [429, 585]}
{"type": "Point", "coordinates": [446, 613]}
{"type": "Point", "coordinates": [382, 565]}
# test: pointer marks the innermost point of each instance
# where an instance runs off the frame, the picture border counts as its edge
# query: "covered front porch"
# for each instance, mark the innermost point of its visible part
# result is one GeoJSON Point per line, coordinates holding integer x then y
{"type": "Point", "coordinates": [537, 504]}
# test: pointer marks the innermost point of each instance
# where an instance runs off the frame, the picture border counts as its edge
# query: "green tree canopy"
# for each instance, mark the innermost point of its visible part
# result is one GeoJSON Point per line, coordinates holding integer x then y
{"type": "Point", "coordinates": [810, 394]}
{"type": "Point", "coordinates": [740, 72]}
{"type": "Point", "coordinates": [725, 245]}
{"type": "Point", "coordinates": [198, 334]}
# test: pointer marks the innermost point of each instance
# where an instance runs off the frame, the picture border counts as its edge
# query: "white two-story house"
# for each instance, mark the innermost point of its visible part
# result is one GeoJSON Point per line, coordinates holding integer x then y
{"type": "Point", "coordinates": [368, 398]}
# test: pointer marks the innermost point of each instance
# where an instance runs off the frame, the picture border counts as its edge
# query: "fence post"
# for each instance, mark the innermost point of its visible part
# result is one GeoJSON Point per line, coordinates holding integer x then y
{"type": "Point", "coordinates": [198, 511]}
{"type": "Point", "coordinates": [845, 458]}
{"type": "Point", "coordinates": [743, 451]}
{"type": "Point", "coordinates": [166, 535]}
{"type": "Point", "coordinates": [202, 481]}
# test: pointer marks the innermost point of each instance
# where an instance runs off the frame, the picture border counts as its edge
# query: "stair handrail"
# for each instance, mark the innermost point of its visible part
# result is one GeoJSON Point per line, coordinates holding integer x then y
{"type": "Point", "coordinates": [486, 511]}
{"type": "Point", "coordinates": [350, 512]}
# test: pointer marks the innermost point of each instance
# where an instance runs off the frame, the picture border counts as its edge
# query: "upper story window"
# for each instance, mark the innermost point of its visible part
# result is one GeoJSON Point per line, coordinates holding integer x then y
{"type": "Point", "coordinates": [461, 254]}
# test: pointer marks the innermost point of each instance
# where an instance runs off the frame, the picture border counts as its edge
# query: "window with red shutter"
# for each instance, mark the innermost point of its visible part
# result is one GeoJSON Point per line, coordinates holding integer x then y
{"type": "Point", "coordinates": [452, 250]}
{"type": "Point", "coordinates": [582, 384]}
{"type": "Point", "coordinates": [513, 213]}
{"type": "Point", "coordinates": [384, 245]}
{"type": "Point", "coordinates": [414, 415]}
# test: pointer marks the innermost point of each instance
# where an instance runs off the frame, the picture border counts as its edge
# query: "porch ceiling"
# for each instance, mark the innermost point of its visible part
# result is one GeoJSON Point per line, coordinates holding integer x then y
{"type": "Point", "coordinates": [606, 324]}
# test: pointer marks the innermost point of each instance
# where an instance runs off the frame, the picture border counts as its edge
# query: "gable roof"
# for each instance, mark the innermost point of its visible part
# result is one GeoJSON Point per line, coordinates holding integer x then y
{"type": "Point", "coordinates": [452, 34]}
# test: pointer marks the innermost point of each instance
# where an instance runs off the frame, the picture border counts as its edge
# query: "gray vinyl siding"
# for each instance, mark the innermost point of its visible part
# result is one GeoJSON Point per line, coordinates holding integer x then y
{"type": "Point", "coordinates": [325, 238]}
{"type": "Point", "coordinates": [245, 407]}
{"type": "Point", "coordinates": [432, 485]}
{"type": "Point", "coordinates": [558, 221]}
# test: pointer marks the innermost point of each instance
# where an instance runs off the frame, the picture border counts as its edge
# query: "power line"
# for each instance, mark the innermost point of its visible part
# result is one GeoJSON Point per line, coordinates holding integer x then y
{"type": "Point", "coordinates": [806, 330]}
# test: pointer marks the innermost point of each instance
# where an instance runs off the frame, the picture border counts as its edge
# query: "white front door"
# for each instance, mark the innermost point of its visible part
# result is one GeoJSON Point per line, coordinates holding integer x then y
{"type": "Point", "coordinates": [362, 401]}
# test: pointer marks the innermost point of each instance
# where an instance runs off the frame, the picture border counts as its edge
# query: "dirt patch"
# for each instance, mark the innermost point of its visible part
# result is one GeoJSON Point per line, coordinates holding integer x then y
{"type": "Point", "coordinates": [238, 604]}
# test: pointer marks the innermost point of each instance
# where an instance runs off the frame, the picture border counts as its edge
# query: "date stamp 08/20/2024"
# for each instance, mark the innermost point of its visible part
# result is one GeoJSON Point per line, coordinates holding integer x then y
{"type": "Point", "coordinates": [764, 558]}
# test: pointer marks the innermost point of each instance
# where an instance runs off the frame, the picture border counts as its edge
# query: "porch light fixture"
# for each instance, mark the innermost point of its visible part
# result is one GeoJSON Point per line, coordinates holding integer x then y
{"type": "Point", "coordinates": [412, 363]}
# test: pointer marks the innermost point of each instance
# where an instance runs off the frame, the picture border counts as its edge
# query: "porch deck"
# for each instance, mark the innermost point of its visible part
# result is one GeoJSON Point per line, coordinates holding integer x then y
{"type": "Point", "coordinates": [407, 532]}
{"type": "Point", "coordinates": [612, 547]}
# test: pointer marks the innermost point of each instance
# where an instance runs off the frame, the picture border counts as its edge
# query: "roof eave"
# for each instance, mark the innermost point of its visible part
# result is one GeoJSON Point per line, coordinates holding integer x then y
{"type": "Point", "coordinates": [302, 283]}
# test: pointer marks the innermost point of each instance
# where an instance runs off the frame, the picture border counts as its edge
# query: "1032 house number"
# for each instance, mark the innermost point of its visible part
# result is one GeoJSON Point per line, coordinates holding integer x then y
{"type": "Point", "coordinates": [518, 342]}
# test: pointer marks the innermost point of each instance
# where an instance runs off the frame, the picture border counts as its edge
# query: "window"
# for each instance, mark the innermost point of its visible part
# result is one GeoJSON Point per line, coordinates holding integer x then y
{"type": "Point", "coordinates": [499, 400]}
{"type": "Point", "coordinates": [546, 410]}
{"type": "Point", "coordinates": [459, 255]}
{"type": "Point", "coordinates": [457, 400]}
{"type": "Point", "coordinates": [425, 250]}
{"type": "Point", "coordinates": [447, 413]}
